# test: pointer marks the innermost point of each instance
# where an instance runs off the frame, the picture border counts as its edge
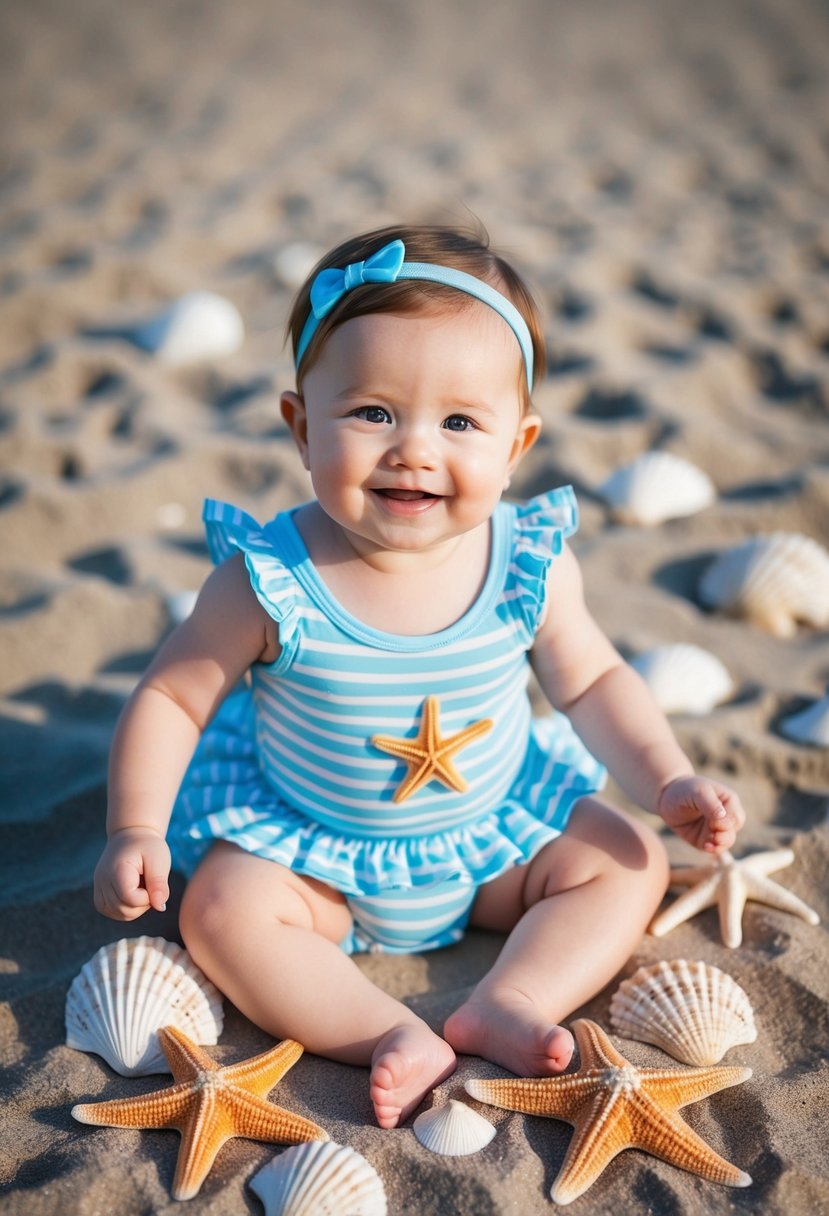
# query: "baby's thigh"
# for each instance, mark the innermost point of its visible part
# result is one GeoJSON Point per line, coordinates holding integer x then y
{"type": "Point", "coordinates": [233, 889]}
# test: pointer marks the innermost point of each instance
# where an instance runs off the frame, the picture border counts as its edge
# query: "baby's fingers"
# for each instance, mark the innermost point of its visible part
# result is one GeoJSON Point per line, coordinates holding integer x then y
{"type": "Point", "coordinates": [724, 817]}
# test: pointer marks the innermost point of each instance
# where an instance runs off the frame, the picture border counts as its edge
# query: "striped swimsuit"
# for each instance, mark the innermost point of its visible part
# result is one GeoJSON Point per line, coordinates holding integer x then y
{"type": "Point", "coordinates": [290, 768]}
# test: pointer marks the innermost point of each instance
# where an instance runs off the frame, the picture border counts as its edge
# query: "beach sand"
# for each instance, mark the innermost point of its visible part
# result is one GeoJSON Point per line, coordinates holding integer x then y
{"type": "Point", "coordinates": [659, 170]}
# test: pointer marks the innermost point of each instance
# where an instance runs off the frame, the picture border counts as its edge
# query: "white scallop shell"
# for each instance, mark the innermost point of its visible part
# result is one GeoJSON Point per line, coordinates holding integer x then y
{"type": "Point", "coordinates": [693, 1011]}
{"type": "Point", "coordinates": [200, 325]}
{"type": "Point", "coordinates": [774, 580]}
{"type": "Point", "coordinates": [684, 679]}
{"type": "Point", "coordinates": [320, 1178]}
{"type": "Point", "coordinates": [657, 486]}
{"type": "Point", "coordinates": [809, 725]}
{"type": "Point", "coordinates": [454, 1129]}
{"type": "Point", "coordinates": [128, 991]}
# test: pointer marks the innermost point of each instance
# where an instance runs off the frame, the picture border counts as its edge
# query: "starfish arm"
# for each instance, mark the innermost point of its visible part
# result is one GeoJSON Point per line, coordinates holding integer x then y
{"type": "Point", "coordinates": [664, 1134]}
{"type": "Point", "coordinates": [672, 1088]}
{"type": "Point", "coordinates": [259, 1074]}
{"type": "Point", "coordinates": [765, 891]}
{"type": "Point", "coordinates": [186, 1058]}
{"type": "Point", "coordinates": [203, 1133]}
{"type": "Point", "coordinates": [696, 900]}
{"type": "Point", "coordinates": [602, 1132]}
{"type": "Point", "coordinates": [731, 902]}
{"type": "Point", "coordinates": [767, 863]}
{"type": "Point", "coordinates": [255, 1119]}
{"type": "Point", "coordinates": [550, 1097]}
{"type": "Point", "coordinates": [160, 1109]}
{"type": "Point", "coordinates": [689, 876]}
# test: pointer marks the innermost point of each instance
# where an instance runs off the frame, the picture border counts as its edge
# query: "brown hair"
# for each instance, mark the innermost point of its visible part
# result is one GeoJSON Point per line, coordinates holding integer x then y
{"type": "Point", "coordinates": [466, 250]}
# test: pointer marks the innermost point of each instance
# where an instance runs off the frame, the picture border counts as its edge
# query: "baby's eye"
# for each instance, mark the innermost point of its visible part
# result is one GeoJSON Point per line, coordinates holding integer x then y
{"type": "Point", "coordinates": [372, 413]}
{"type": "Point", "coordinates": [459, 422]}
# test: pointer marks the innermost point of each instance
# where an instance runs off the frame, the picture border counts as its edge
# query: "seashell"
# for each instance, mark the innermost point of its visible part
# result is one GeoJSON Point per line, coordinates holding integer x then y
{"type": "Point", "coordinates": [693, 1011]}
{"type": "Point", "coordinates": [809, 725]}
{"type": "Point", "coordinates": [454, 1129]}
{"type": "Point", "coordinates": [684, 679]}
{"type": "Point", "coordinates": [657, 486]}
{"type": "Point", "coordinates": [294, 263]}
{"type": "Point", "coordinates": [320, 1178]}
{"type": "Point", "coordinates": [128, 991]}
{"type": "Point", "coordinates": [181, 604]}
{"type": "Point", "coordinates": [774, 580]}
{"type": "Point", "coordinates": [200, 325]}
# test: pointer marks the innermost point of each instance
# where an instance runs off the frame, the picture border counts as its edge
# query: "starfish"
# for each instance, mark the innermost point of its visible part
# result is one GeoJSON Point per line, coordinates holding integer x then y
{"type": "Point", "coordinates": [209, 1105]}
{"type": "Point", "coordinates": [730, 884]}
{"type": "Point", "coordinates": [614, 1105]}
{"type": "Point", "coordinates": [430, 755]}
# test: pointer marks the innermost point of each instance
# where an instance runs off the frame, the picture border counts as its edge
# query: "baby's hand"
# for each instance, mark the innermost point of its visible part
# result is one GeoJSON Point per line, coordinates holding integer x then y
{"type": "Point", "coordinates": [703, 812]}
{"type": "Point", "coordinates": [131, 876]}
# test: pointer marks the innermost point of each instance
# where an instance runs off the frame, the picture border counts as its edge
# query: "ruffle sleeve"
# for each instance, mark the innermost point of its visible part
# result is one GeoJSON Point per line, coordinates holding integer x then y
{"type": "Point", "coordinates": [230, 530]}
{"type": "Point", "coordinates": [541, 527]}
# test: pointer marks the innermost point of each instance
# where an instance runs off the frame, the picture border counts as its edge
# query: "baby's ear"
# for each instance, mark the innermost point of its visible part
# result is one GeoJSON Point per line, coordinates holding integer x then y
{"type": "Point", "coordinates": [293, 411]}
{"type": "Point", "coordinates": [529, 428]}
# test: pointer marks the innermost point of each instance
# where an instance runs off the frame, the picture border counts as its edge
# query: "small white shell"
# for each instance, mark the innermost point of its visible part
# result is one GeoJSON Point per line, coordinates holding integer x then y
{"type": "Point", "coordinates": [294, 262]}
{"type": "Point", "coordinates": [657, 486]}
{"type": "Point", "coordinates": [693, 1011]}
{"type": "Point", "coordinates": [128, 991]}
{"type": "Point", "coordinates": [200, 325]}
{"type": "Point", "coordinates": [684, 679]}
{"type": "Point", "coordinates": [809, 725]}
{"type": "Point", "coordinates": [320, 1178]}
{"type": "Point", "coordinates": [774, 580]}
{"type": "Point", "coordinates": [454, 1129]}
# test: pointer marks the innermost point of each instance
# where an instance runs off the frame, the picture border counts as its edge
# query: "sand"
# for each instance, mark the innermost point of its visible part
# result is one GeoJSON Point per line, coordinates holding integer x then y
{"type": "Point", "coordinates": [660, 172]}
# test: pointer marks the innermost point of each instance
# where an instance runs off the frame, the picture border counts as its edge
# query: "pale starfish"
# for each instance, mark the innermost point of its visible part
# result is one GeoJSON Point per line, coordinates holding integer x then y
{"type": "Point", "coordinates": [429, 755]}
{"type": "Point", "coordinates": [209, 1105]}
{"type": "Point", "coordinates": [613, 1105]}
{"type": "Point", "coordinates": [730, 884]}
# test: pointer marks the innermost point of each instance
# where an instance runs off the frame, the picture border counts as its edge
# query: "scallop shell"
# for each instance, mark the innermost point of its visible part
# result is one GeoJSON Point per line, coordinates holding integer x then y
{"type": "Point", "coordinates": [693, 1011]}
{"type": "Point", "coordinates": [320, 1178]}
{"type": "Point", "coordinates": [454, 1129]}
{"type": "Point", "coordinates": [128, 991]}
{"type": "Point", "coordinates": [684, 679]}
{"type": "Point", "coordinates": [200, 325]}
{"type": "Point", "coordinates": [657, 486]}
{"type": "Point", "coordinates": [809, 725]}
{"type": "Point", "coordinates": [774, 580]}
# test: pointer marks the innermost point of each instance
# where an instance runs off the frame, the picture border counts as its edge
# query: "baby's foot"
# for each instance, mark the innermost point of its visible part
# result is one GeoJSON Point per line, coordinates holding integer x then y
{"type": "Point", "coordinates": [406, 1064]}
{"type": "Point", "coordinates": [506, 1028]}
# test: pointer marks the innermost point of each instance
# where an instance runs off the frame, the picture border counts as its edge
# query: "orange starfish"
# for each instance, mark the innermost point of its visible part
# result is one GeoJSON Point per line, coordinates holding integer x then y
{"type": "Point", "coordinates": [209, 1105]}
{"type": "Point", "coordinates": [614, 1105]}
{"type": "Point", "coordinates": [429, 755]}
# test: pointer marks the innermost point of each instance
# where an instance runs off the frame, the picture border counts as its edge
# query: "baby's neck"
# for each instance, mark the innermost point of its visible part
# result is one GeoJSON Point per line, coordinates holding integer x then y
{"type": "Point", "coordinates": [410, 592]}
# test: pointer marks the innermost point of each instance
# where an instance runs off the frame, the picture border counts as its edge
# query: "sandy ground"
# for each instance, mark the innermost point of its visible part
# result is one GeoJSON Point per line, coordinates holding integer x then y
{"type": "Point", "coordinates": [660, 172]}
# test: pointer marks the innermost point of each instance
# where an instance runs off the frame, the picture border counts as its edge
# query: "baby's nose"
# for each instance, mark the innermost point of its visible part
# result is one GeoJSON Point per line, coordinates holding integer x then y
{"type": "Point", "coordinates": [414, 447]}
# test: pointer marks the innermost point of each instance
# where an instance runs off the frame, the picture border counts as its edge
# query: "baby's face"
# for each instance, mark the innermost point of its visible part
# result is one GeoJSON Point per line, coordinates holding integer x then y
{"type": "Point", "coordinates": [411, 425]}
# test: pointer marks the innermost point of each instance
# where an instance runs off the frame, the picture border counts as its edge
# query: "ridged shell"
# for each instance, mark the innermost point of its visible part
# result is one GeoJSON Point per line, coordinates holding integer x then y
{"type": "Point", "coordinates": [200, 325]}
{"type": "Point", "coordinates": [774, 580]}
{"type": "Point", "coordinates": [320, 1178]}
{"type": "Point", "coordinates": [657, 486]}
{"type": "Point", "coordinates": [454, 1129]}
{"type": "Point", "coordinates": [693, 1011]}
{"type": "Point", "coordinates": [128, 991]}
{"type": "Point", "coordinates": [684, 679]}
{"type": "Point", "coordinates": [809, 725]}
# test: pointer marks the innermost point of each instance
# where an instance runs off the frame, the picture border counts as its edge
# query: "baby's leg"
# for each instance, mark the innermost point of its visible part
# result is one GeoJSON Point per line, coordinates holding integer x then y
{"type": "Point", "coordinates": [268, 939]}
{"type": "Point", "coordinates": [577, 912]}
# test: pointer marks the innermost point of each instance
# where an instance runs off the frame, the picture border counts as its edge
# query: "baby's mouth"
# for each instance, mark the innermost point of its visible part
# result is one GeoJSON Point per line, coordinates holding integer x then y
{"type": "Point", "coordinates": [405, 495]}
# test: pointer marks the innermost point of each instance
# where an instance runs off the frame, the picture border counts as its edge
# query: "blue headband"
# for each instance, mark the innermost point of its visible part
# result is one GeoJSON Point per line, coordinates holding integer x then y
{"type": "Point", "coordinates": [387, 266]}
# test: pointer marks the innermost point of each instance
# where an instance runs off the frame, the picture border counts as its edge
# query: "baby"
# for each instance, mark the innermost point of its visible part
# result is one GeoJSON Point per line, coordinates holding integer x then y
{"type": "Point", "coordinates": [378, 781]}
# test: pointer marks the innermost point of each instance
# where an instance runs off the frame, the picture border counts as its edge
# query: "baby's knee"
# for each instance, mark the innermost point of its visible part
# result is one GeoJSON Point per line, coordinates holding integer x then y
{"type": "Point", "coordinates": [206, 912]}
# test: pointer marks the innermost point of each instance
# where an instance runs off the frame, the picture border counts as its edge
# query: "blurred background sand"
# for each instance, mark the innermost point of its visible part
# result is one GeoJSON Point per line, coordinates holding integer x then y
{"type": "Point", "coordinates": [660, 172]}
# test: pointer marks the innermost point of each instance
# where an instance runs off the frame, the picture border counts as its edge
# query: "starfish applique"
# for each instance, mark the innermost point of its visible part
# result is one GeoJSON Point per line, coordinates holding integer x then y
{"type": "Point", "coordinates": [429, 756]}
{"type": "Point", "coordinates": [730, 884]}
{"type": "Point", "coordinates": [209, 1105]}
{"type": "Point", "coordinates": [613, 1105]}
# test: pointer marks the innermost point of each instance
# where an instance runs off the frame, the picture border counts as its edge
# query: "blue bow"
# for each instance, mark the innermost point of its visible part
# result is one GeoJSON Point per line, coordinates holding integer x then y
{"type": "Point", "coordinates": [331, 285]}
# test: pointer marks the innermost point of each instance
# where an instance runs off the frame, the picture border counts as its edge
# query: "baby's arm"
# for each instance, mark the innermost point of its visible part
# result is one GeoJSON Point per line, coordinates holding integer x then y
{"type": "Point", "coordinates": [198, 664]}
{"type": "Point", "coordinates": [615, 714]}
